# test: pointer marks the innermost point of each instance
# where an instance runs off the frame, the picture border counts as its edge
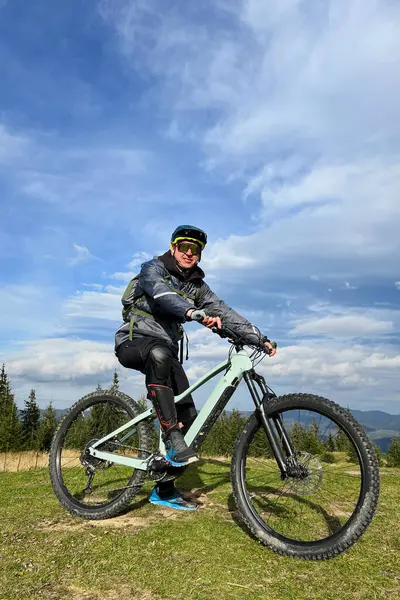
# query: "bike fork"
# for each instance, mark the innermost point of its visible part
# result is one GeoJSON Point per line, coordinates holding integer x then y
{"type": "Point", "coordinates": [273, 427]}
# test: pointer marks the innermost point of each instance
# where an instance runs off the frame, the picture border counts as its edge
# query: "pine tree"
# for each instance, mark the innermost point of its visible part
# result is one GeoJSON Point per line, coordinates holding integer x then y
{"type": "Point", "coordinates": [47, 428]}
{"type": "Point", "coordinates": [312, 442]}
{"type": "Point", "coordinates": [221, 439]}
{"type": "Point", "coordinates": [330, 443]}
{"type": "Point", "coordinates": [379, 455]}
{"type": "Point", "coordinates": [393, 454]}
{"type": "Point", "coordinates": [99, 388]}
{"type": "Point", "coordinates": [104, 418]}
{"type": "Point", "coordinates": [30, 418]}
{"type": "Point", "coordinates": [115, 383]}
{"type": "Point", "coordinates": [298, 436]}
{"type": "Point", "coordinates": [10, 428]}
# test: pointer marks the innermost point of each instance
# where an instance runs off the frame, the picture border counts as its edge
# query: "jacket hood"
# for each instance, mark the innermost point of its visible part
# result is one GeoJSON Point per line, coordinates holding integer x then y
{"type": "Point", "coordinates": [184, 274]}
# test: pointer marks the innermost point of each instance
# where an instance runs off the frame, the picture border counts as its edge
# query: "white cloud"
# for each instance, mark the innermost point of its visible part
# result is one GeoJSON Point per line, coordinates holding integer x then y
{"type": "Point", "coordinates": [121, 276]}
{"type": "Point", "coordinates": [336, 367]}
{"type": "Point", "coordinates": [348, 286]}
{"type": "Point", "coordinates": [397, 284]}
{"type": "Point", "coordinates": [61, 370]}
{"type": "Point", "coordinates": [61, 359]}
{"type": "Point", "coordinates": [94, 286]}
{"type": "Point", "coordinates": [138, 259]}
{"type": "Point", "coordinates": [95, 305]}
{"type": "Point", "coordinates": [56, 368]}
{"type": "Point", "coordinates": [309, 123]}
{"type": "Point", "coordinates": [343, 326]}
{"type": "Point", "coordinates": [82, 254]}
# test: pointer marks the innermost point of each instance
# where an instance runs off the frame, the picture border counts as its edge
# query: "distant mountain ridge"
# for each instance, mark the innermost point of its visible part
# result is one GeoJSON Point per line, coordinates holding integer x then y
{"type": "Point", "coordinates": [377, 419]}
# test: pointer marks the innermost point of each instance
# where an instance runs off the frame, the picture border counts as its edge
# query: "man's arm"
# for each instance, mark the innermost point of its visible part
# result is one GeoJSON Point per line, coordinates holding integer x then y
{"type": "Point", "coordinates": [161, 296]}
{"type": "Point", "coordinates": [210, 302]}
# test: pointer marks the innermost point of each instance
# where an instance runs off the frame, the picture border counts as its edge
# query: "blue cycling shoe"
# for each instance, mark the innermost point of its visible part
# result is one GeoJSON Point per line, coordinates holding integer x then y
{"type": "Point", "coordinates": [176, 501]}
{"type": "Point", "coordinates": [178, 453]}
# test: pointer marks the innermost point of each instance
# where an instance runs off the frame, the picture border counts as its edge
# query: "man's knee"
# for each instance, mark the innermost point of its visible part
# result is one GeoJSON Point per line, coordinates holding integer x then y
{"type": "Point", "coordinates": [158, 365]}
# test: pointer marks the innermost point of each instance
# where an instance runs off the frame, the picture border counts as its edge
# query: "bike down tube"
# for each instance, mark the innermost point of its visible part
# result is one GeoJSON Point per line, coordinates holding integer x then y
{"type": "Point", "coordinates": [249, 379]}
{"type": "Point", "coordinates": [219, 397]}
{"type": "Point", "coordinates": [138, 463]}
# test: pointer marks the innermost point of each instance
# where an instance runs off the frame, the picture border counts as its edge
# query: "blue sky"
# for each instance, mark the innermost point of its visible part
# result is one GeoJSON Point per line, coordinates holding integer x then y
{"type": "Point", "coordinates": [274, 126]}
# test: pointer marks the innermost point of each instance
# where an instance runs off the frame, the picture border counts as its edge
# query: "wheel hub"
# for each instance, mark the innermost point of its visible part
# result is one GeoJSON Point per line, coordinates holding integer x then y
{"type": "Point", "coordinates": [304, 473]}
{"type": "Point", "coordinates": [92, 463]}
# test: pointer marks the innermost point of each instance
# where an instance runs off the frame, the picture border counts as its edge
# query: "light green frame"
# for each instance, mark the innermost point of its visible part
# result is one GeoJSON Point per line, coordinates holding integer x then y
{"type": "Point", "coordinates": [234, 368]}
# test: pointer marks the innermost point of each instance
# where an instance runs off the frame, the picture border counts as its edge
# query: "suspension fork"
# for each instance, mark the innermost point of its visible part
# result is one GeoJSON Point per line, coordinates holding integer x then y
{"type": "Point", "coordinates": [273, 427]}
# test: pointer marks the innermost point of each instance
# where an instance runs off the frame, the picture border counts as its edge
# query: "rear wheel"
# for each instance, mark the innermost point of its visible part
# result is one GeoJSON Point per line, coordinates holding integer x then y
{"type": "Point", "coordinates": [331, 493]}
{"type": "Point", "coordinates": [91, 487]}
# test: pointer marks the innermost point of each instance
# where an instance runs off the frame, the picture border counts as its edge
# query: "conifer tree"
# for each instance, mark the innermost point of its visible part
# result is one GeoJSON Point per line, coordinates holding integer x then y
{"type": "Point", "coordinates": [330, 443]}
{"type": "Point", "coordinates": [393, 454]}
{"type": "Point", "coordinates": [115, 383]}
{"type": "Point", "coordinates": [47, 428]}
{"type": "Point", "coordinates": [30, 421]}
{"type": "Point", "coordinates": [10, 428]}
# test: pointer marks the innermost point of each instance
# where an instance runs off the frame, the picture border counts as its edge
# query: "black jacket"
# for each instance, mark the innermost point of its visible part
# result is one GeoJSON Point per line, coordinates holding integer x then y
{"type": "Point", "coordinates": [165, 294]}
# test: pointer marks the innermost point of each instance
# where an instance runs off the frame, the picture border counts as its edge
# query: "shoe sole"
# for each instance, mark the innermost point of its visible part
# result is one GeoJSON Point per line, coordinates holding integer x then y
{"type": "Point", "coordinates": [190, 461]}
{"type": "Point", "coordinates": [166, 504]}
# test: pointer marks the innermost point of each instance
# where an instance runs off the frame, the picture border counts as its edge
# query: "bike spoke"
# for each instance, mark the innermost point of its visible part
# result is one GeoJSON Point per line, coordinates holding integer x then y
{"type": "Point", "coordinates": [104, 478]}
{"type": "Point", "coordinates": [317, 501]}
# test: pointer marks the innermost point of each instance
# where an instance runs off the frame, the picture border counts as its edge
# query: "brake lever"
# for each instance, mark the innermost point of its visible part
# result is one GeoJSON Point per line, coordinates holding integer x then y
{"type": "Point", "coordinates": [224, 333]}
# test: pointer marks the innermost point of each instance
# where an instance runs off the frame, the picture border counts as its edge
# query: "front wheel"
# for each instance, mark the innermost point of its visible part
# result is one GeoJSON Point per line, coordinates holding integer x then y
{"type": "Point", "coordinates": [331, 493]}
{"type": "Point", "coordinates": [87, 486]}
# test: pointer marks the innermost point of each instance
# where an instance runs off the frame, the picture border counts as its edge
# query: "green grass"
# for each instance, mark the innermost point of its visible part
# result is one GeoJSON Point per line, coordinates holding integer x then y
{"type": "Point", "coordinates": [150, 553]}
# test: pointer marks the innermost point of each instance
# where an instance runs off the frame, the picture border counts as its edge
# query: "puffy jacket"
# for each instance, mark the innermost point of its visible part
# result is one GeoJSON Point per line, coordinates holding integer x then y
{"type": "Point", "coordinates": [165, 293]}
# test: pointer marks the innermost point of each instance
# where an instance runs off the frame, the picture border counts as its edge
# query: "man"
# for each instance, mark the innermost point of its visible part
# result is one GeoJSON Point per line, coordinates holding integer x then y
{"type": "Point", "coordinates": [171, 290]}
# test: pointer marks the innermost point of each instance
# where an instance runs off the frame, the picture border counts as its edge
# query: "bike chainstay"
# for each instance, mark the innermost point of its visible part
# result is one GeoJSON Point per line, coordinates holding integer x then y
{"type": "Point", "coordinates": [125, 487]}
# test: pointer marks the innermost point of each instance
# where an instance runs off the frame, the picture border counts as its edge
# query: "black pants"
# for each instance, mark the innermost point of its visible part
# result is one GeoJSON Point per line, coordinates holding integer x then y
{"type": "Point", "coordinates": [160, 364]}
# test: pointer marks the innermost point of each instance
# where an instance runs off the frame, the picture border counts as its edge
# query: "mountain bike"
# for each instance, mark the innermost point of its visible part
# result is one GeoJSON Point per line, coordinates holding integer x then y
{"type": "Point", "coordinates": [294, 487]}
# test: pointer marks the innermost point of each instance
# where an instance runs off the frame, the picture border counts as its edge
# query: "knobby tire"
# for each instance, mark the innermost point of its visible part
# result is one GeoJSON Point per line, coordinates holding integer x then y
{"type": "Point", "coordinates": [329, 546]}
{"type": "Point", "coordinates": [119, 503]}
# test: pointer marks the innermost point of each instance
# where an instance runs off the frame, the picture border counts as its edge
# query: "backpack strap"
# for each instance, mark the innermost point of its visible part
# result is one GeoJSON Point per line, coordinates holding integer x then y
{"type": "Point", "coordinates": [137, 311]}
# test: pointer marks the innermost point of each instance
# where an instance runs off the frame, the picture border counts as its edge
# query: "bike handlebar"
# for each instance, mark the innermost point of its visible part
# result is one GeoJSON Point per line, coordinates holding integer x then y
{"type": "Point", "coordinates": [225, 332]}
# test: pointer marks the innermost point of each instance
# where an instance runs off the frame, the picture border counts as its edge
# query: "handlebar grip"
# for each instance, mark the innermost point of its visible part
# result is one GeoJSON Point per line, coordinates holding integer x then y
{"type": "Point", "coordinates": [198, 315]}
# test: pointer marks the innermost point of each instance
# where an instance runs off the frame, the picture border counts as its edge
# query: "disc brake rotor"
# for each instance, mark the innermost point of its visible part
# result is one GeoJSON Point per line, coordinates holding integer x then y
{"type": "Point", "coordinates": [305, 474]}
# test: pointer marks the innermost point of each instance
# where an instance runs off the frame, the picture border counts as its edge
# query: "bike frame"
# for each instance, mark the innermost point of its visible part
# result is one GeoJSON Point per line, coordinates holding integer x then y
{"type": "Point", "coordinates": [238, 366]}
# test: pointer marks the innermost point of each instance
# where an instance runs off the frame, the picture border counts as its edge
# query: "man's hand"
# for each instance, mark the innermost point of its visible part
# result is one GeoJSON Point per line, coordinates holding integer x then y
{"type": "Point", "coordinates": [201, 317]}
{"type": "Point", "coordinates": [212, 322]}
{"type": "Point", "coordinates": [270, 349]}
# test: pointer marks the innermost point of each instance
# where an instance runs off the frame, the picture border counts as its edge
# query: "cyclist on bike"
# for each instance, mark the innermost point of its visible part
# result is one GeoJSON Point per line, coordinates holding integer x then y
{"type": "Point", "coordinates": [171, 290]}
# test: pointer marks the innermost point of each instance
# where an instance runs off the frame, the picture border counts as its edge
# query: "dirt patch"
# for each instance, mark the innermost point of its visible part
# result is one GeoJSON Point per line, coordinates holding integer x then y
{"type": "Point", "coordinates": [335, 511]}
{"type": "Point", "coordinates": [126, 522]}
{"type": "Point", "coordinates": [122, 593]}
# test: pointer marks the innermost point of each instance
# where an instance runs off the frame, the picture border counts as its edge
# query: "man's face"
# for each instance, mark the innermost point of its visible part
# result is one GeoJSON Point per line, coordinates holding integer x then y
{"type": "Point", "coordinates": [186, 253]}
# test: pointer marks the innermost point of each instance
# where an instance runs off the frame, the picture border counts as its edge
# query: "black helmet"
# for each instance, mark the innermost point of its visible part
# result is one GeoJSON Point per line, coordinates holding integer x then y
{"type": "Point", "coordinates": [188, 232]}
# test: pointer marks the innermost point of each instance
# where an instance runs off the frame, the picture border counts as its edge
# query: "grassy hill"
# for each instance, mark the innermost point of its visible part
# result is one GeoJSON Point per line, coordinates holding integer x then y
{"type": "Point", "coordinates": [151, 553]}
